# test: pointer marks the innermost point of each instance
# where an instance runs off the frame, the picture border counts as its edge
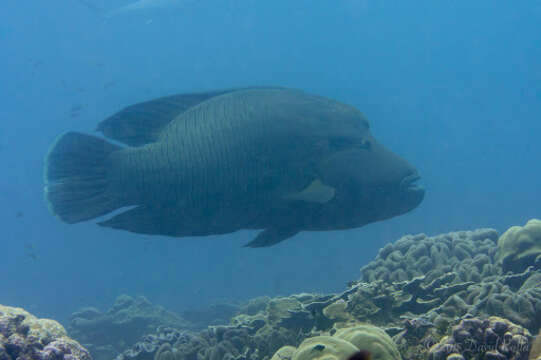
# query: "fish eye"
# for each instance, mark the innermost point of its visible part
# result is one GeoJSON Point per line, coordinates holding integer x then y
{"type": "Point", "coordinates": [347, 142]}
{"type": "Point", "coordinates": [343, 142]}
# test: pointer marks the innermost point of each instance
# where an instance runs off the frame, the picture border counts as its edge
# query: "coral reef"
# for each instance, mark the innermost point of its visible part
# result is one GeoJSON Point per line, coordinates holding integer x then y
{"type": "Point", "coordinates": [535, 351]}
{"type": "Point", "coordinates": [467, 281]}
{"type": "Point", "coordinates": [25, 337]}
{"type": "Point", "coordinates": [520, 247]}
{"type": "Point", "coordinates": [371, 338]}
{"type": "Point", "coordinates": [267, 325]}
{"type": "Point", "coordinates": [417, 336]}
{"type": "Point", "coordinates": [284, 353]}
{"type": "Point", "coordinates": [324, 348]}
{"type": "Point", "coordinates": [213, 314]}
{"type": "Point", "coordinates": [509, 297]}
{"type": "Point", "coordinates": [426, 294]}
{"type": "Point", "coordinates": [491, 339]}
{"type": "Point", "coordinates": [107, 334]}
{"type": "Point", "coordinates": [468, 254]}
{"type": "Point", "coordinates": [342, 344]}
{"type": "Point", "coordinates": [148, 347]}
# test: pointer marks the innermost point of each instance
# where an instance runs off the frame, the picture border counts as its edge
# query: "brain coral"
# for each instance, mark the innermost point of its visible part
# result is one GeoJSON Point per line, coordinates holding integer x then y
{"type": "Point", "coordinates": [469, 254]}
{"type": "Point", "coordinates": [520, 247]}
{"type": "Point", "coordinates": [285, 352]}
{"type": "Point", "coordinates": [490, 339]}
{"type": "Point", "coordinates": [23, 336]}
{"type": "Point", "coordinates": [324, 348]}
{"type": "Point", "coordinates": [371, 338]}
{"type": "Point", "coordinates": [343, 344]}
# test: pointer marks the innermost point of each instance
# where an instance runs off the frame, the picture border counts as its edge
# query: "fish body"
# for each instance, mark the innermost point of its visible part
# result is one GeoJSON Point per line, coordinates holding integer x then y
{"type": "Point", "coordinates": [213, 163]}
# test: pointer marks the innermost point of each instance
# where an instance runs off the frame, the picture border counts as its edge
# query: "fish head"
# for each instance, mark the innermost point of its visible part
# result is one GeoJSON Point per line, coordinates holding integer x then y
{"type": "Point", "coordinates": [371, 182]}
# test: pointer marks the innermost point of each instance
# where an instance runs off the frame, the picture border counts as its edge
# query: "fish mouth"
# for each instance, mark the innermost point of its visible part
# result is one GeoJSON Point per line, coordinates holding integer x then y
{"type": "Point", "coordinates": [409, 184]}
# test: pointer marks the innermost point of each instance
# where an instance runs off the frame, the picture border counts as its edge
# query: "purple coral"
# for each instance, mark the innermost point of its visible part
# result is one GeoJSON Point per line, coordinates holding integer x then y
{"type": "Point", "coordinates": [491, 339]}
{"type": "Point", "coordinates": [16, 341]}
{"type": "Point", "coordinates": [63, 349]}
{"type": "Point", "coordinates": [415, 327]}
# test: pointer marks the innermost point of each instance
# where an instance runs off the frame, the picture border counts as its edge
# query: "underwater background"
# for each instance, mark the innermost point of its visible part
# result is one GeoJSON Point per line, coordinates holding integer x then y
{"type": "Point", "coordinates": [452, 86]}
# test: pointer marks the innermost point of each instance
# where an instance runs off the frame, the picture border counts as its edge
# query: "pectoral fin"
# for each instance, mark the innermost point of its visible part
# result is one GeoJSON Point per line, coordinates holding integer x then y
{"type": "Point", "coordinates": [271, 236]}
{"type": "Point", "coordinates": [316, 192]}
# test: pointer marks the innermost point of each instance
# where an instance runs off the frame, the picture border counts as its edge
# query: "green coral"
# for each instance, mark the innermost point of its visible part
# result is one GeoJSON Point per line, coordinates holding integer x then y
{"type": "Point", "coordinates": [343, 344]}
{"type": "Point", "coordinates": [371, 338]}
{"type": "Point", "coordinates": [338, 312]}
{"type": "Point", "coordinates": [324, 348]}
{"type": "Point", "coordinates": [284, 353]}
{"type": "Point", "coordinates": [467, 253]}
{"type": "Point", "coordinates": [43, 329]}
{"type": "Point", "coordinates": [165, 352]}
{"type": "Point", "coordinates": [520, 247]}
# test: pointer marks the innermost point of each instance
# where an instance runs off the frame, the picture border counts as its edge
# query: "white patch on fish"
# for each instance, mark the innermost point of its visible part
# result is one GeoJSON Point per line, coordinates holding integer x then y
{"type": "Point", "coordinates": [143, 5]}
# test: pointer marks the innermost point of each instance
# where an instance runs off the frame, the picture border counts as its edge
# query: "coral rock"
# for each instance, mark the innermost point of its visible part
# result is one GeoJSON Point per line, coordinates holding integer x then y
{"type": "Point", "coordinates": [371, 338]}
{"type": "Point", "coordinates": [520, 247]}
{"type": "Point", "coordinates": [324, 348]}
{"type": "Point", "coordinates": [23, 336]}
{"type": "Point", "coordinates": [466, 340]}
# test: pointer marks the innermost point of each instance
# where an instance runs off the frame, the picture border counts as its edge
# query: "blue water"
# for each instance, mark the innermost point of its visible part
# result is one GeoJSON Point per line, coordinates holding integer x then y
{"type": "Point", "coordinates": [452, 86]}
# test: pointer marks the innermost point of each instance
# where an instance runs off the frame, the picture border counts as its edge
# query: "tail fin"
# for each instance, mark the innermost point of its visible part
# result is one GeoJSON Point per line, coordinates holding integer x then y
{"type": "Point", "coordinates": [76, 177]}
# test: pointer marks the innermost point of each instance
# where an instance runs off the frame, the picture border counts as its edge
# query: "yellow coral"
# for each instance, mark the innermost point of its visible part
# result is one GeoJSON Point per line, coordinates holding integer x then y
{"type": "Point", "coordinates": [165, 352]}
{"type": "Point", "coordinates": [520, 247]}
{"type": "Point", "coordinates": [343, 344]}
{"type": "Point", "coordinates": [371, 338]}
{"type": "Point", "coordinates": [535, 352]}
{"type": "Point", "coordinates": [40, 328]}
{"type": "Point", "coordinates": [279, 308]}
{"type": "Point", "coordinates": [284, 353]}
{"type": "Point", "coordinates": [324, 348]}
{"type": "Point", "coordinates": [338, 311]}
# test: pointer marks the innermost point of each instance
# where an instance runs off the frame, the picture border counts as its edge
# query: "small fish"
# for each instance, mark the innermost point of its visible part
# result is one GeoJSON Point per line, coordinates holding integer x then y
{"type": "Point", "coordinates": [35, 64]}
{"type": "Point", "coordinates": [76, 110]}
{"type": "Point", "coordinates": [19, 214]}
{"type": "Point", "coordinates": [31, 251]}
{"type": "Point", "coordinates": [33, 256]}
{"type": "Point", "coordinates": [143, 5]}
{"type": "Point", "coordinates": [109, 84]}
{"type": "Point", "coordinates": [91, 6]}
{"type": "Point", "coordinates": [361, 355]}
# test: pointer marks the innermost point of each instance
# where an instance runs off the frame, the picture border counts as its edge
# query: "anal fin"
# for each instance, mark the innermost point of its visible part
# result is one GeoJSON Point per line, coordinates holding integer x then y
{"type": "Point", "coordinates": [272, 236]}
{"type": "Point", "coordinates": [167, 220]}
{"type": "Point", "coordinates": [143, 220]}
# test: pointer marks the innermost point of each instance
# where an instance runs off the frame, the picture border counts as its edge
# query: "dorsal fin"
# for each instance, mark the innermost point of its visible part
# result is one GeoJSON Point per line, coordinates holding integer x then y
{"type": "Point", "coordinates": [141, 123]}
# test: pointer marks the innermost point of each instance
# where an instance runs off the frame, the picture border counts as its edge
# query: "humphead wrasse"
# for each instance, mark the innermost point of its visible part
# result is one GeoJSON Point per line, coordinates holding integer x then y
{"type": "Point", "coordinates": [275, 159]}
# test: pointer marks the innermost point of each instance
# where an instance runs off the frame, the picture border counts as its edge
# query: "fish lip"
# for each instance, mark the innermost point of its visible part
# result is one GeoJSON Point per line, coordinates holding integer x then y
{"type": "Point", "coordinates": [409, 183]}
